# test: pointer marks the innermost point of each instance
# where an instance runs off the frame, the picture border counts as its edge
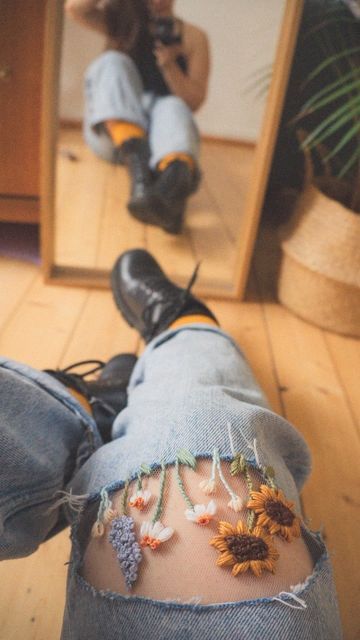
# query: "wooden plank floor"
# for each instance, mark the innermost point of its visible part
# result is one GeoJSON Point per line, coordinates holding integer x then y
{"type": "Point", "coordinates": [310, 376]}
{"type": "Point", "coordinates": [93, 225]}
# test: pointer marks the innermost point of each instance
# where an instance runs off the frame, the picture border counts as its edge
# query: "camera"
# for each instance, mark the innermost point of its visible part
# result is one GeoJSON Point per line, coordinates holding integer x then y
{"type": "Point", "coordinates": [166, 30]}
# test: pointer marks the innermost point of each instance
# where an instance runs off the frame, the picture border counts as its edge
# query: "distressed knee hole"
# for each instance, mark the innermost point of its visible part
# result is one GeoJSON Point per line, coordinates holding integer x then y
{"type": "Point", "coordinates": [185, 536]}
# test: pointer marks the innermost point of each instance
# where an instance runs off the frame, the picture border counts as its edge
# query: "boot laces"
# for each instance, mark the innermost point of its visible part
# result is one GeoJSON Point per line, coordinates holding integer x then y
{"type": "Point", "coordinates": [176, 302]}
{"type": "Point", "coordinates": [78, 381]}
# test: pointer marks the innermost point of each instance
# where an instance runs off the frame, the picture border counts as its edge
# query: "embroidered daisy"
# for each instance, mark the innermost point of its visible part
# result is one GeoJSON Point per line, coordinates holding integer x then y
{"type": "Point", "coordinates": [154, 534]}
{"type": "Point", "coordinates": [275, 512]}
{"type": "Point", "coordinates": [244, 550]}
{"type": "Point", "coordinates": [208, 486]}
{"type": "Point", "coordinates": [236, 504]}
{"type": "Point", "coordinates": [140, 499]}
{"type": "Point", "coordinates": [200, 514]}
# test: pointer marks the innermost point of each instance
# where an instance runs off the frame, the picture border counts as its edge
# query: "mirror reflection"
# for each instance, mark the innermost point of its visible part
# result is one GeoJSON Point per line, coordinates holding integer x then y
{"type": "Point", "coordinates": [160, 111]}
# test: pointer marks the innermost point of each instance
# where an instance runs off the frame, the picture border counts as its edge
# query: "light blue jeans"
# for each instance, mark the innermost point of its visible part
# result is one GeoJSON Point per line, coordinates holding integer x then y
{"type": "Point", "coordinates": [186, 387]}
{"type": "Point", "coordinates": [114, 91]}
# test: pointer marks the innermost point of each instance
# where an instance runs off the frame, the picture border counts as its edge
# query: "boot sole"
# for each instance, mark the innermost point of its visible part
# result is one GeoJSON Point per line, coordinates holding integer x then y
{"type": "Point", "coordinates": [151, 216]}
{"type": "Point", "coordinates": [161, 209]}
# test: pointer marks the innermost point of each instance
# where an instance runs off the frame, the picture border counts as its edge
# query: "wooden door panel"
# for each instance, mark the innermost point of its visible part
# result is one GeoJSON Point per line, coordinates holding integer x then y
{"type": "Point", "coordinates": [21, 51]}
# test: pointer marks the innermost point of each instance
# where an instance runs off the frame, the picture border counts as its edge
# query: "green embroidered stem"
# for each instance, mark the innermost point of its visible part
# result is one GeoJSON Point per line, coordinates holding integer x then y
{"type": "Point", "coordinates": [269, 474]}
{"type": "Point", "coordinates": [105, 503]}
{"type": "Point", "coordinates": [159, 504]}
{"type": "Point", "coordinates": [248, 480]}
{"type": "Point", "coordinates": [251, 520]}
{"type": "Point", "coordinates": [231, 493]}
{"type": "Point", "coordinates": [251, 517]}
{"type": "Point", "coordinates": [124, 498]}
{"type": "Point", "coordinates": [139, 482]}
{"type": "Point", "coordinates": [213, 466]}
{"type": "Point", "coordinates": [181, 486]}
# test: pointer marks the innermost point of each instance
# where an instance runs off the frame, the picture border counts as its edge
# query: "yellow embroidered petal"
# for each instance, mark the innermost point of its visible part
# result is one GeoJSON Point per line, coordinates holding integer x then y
{"type": "Point", "coordinates": [267, 491]}
{"type": "Point", "coordinates": [296, 528]}
{"type": "Point", "coordinates": [261, 533]}
{"type": "Point", "coordinates": [256, 567]}
{"type": "Point", "coordinates": [216, 539]}
{"type": "Point", "coordinates": [220, 545]}
{"type": "Point", "coordinates": [269, 566]}
{"type": "Point", "coordinates": [225, 560]}
{"type": "Point", "coordinates": [255, 504]}
{"type": "Point", "coordinates": [226, 529]}
{"type": "Point", "coordinates": [241, 528]}
{"type": "Point", "coordinates": [240, 567]}
{"type": "Point", "coordinates": [263, 519]}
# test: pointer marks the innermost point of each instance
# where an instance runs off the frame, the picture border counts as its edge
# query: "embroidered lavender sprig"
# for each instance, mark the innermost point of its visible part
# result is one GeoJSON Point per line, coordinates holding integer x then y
{"type": "Point", "coordinates": [123, 539]}
{"type": "Point", "coordinates": [128, 552]}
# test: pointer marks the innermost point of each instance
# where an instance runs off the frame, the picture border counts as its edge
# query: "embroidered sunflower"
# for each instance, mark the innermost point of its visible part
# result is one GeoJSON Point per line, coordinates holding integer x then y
{"type": "Point", "coordinates": [274, 512]}
{"type": "Point", "coordinates": [244, 550]}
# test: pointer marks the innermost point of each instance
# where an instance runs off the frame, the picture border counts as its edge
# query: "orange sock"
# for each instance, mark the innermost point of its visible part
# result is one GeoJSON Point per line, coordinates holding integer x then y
{"type": "Point", "coordinates": [198, 318]}
{"type": "Point", "coordinates": [171, 157]}
{"type": "Point", "coordinates": [120, 131]}
{"type": "Point", "coordinates": [81, 399]}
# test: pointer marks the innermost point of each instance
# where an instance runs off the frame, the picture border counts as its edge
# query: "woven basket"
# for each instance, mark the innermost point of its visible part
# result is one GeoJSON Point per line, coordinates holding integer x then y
{"type": "Point", "coordinates": [320, 272]}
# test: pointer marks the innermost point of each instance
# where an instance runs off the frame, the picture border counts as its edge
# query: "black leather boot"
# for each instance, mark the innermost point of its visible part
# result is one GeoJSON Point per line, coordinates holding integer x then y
{"type": "Point", "coordinates": [135, 154]}
{"type": "Point", "coordinates": [170, 192]}
{"type": "Point", "coordinates": [106, 394]}
{"type": "Point", "coordinates": [147, 299]}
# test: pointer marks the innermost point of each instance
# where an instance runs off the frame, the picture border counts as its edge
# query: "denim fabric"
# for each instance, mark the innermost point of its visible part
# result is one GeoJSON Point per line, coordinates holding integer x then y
{"type": "Point", "coordinates": [186, 387]}
{"type": "Point", "coordinates": [114, 91]}
{"type": "Point", "coordinates": [93, 615]}
{"type": "Point", "coordinates": [45, 436]}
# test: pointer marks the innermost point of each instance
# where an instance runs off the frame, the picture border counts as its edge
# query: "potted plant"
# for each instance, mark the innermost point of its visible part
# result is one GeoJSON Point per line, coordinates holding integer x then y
{"type": "Point", "coordinates": [320, 272]}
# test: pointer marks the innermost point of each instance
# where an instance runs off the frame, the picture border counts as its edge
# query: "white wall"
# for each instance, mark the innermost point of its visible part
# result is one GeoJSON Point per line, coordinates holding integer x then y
{"type": "Point", "coordinates": [243, 36]}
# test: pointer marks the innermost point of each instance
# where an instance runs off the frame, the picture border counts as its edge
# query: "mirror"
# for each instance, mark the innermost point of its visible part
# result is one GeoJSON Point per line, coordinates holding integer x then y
{"type": "Point", "coordinates": [86, 224]}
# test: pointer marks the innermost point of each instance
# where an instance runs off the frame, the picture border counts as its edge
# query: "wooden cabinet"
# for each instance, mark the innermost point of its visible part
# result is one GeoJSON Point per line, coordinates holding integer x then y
{"type": "Point", "coordinates": [21, 66]}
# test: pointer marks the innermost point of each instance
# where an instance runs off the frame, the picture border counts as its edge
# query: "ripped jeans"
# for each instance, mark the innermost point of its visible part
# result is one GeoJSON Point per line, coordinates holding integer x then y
{"type": "Point", "coordinates": [194, 413]}
{"type": "Point", "coordinates": [114, 91]}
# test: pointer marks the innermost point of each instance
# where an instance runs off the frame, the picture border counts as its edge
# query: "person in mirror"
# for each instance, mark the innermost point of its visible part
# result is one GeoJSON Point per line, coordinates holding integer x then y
{"type": "Point", "coordinates": [140, 97]}
{"type": "Point", "coordinates": [186, 518]}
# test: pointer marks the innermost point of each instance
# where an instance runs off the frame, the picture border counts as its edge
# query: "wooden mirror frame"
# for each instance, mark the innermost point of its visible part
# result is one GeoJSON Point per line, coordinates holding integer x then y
{"type": "Point", "coordinates": [92, 277]}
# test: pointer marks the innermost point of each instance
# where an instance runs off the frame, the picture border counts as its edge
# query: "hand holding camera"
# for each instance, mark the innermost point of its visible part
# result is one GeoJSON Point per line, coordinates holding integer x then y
{"type": "Point", "coordinates": [168, 39]}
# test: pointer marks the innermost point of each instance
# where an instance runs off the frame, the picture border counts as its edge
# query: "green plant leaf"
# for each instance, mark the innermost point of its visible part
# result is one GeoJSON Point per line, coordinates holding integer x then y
{"type": "Point", "coordinates": [355, 84]}
{"type": "Point", "coordinates": [346, 118]}
{"type": "Point", "coordinates": [330, 60]}
{"type": "Point", "coordinates": [325, 124]}
{"type": "Point", "coordinates": [186, 457]}
{"type": "Point", "coordinates": [333, 85]}
{"type": "Point", "coordinates": [347, 137]}
{"type": "Point", "coordinates": [350, 163]}
{"type": "Point", "coordinates": [326, 23]}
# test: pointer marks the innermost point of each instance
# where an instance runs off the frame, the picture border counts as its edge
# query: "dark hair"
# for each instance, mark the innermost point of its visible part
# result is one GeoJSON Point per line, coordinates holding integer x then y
{"type": "Point", "coordinates": [126, 20]}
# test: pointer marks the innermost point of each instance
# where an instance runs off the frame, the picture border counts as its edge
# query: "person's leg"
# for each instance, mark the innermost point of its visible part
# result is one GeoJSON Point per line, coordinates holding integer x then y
{"type": "Point", "coordinates": [174, 142]}
{"type": "Point", "coordinates": [113, 93]}
{"type": "Point", "coordinates": [148, 560]}
{"type": "Point", "coordinates": [115, 123]}
{"type": "Point", "coordinates": [45, 436]}
{"type": "Point", "coordinates": [173, 133]}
